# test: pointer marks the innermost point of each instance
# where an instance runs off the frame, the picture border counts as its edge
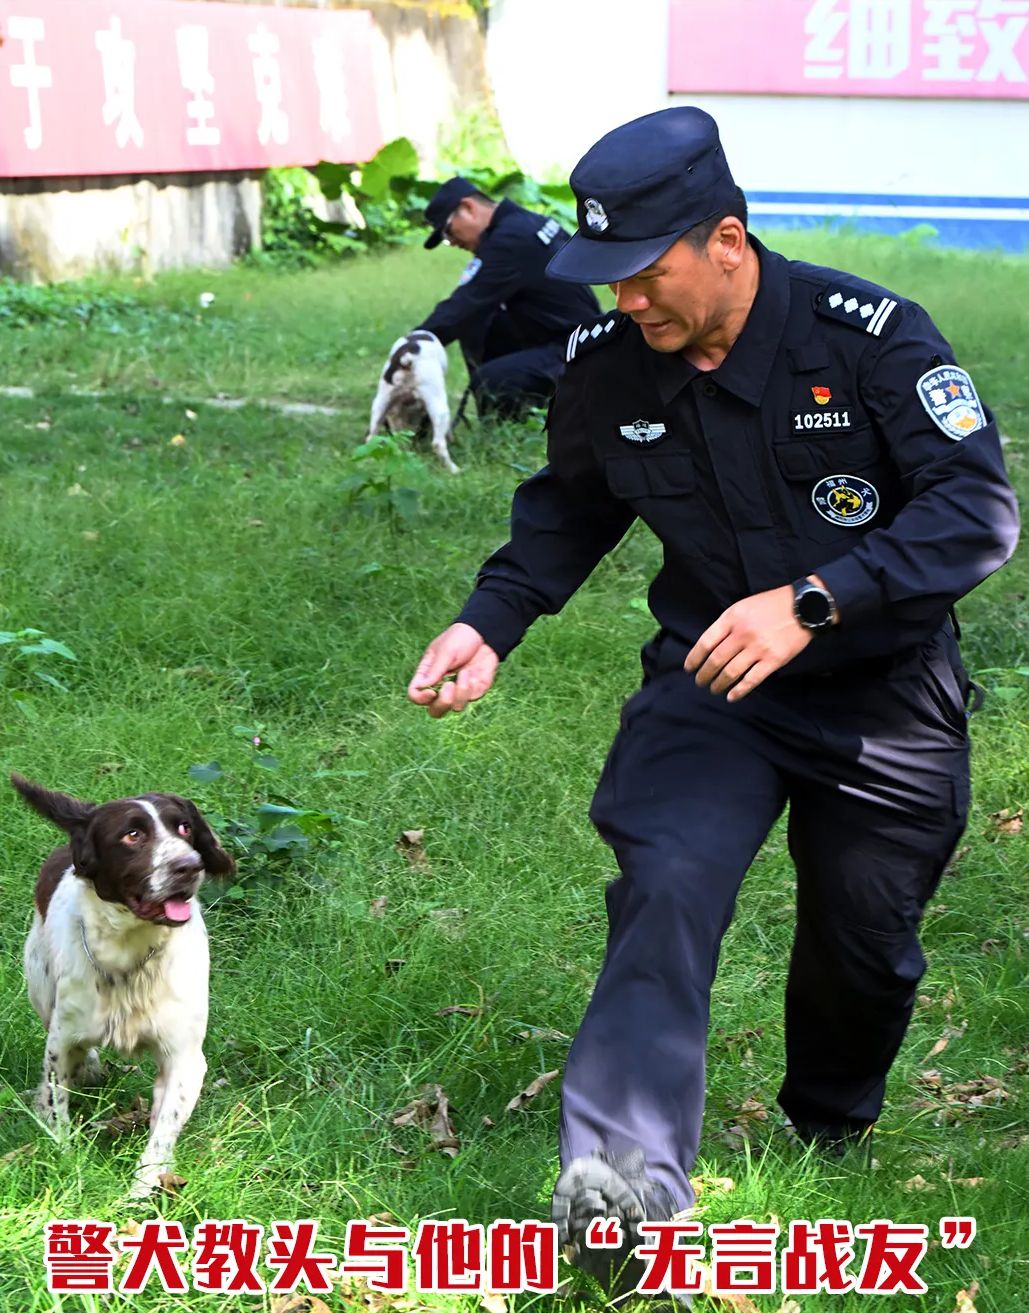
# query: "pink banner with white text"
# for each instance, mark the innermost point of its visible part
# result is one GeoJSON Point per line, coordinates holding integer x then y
{"type": "Point", "coordinates": [934, 48]}
{"type": "Point", "coordinates": [164, 86]}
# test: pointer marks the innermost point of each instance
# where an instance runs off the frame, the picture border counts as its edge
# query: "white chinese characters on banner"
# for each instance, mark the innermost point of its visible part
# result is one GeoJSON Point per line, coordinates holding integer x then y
{"type": "Point", "coordinates": [193, 45]}
{"type": "Point", "coordinates": [880, 38]}
{"type": "Point", "coordinates": [274, 124]}
{"type": "Point", "coordinates": [334, 112]}
{"type": "Point", "coordinates": [951, 28]}
{"type": "Point", "coordinates": [958, 40]}
{"type": "Point", "coordinates": [118, 59]}
{"type": "Point", "coordinates": [30, 76]}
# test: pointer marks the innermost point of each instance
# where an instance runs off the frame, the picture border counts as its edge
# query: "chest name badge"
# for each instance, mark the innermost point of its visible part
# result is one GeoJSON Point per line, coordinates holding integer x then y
{"type": "Point", "coordinates": [949, 396]}
{"type": "Point", "coordinates": [845, 499]}
{"type": "Point", "coordinates": [642, 431]}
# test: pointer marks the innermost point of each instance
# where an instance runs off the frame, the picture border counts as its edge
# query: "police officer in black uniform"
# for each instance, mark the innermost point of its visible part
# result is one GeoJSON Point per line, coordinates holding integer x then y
{"type": "Point", "coordinates": [825, 482]}
{"type": "Point", "coordinates": [511, 320]}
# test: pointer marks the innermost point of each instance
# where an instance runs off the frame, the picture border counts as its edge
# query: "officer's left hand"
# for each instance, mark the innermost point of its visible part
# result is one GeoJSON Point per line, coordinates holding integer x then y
{"type": "Point", "coordinates": [753, 639]}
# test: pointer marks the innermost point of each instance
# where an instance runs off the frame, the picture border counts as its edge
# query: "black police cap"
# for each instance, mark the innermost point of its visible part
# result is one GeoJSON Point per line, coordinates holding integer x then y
{"type": "Point", "coordinates": [443, 205]}
{"type": "Point", "coordinates": [639, 189]}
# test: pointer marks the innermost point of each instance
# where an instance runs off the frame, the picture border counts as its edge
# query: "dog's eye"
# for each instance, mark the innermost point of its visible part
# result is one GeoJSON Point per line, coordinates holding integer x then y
{"type": "Point", "coordinates": [185, 829]}
{"type": "Point", "coordinates": [132, 837]}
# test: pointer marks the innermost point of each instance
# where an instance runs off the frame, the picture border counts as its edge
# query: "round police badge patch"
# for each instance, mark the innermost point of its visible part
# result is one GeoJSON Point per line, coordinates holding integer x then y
{"type": "Point", "coordinates": [949, 396]}
{"type": "Point", "coordinates": [845, 499]}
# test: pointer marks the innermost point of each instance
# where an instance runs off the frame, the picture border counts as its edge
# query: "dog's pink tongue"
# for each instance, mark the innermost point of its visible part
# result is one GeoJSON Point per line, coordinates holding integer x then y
{"type": "Point", "coordinates": [175, 909]}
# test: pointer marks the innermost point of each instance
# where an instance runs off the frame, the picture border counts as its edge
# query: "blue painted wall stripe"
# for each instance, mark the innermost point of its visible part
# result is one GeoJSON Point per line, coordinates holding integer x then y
{"type": "Point", "coordinates": [972, 221]}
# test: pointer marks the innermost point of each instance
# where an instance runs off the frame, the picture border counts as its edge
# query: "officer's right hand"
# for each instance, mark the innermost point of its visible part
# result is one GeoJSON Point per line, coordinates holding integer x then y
{"type": "Point", "coordinates": [460, 651]}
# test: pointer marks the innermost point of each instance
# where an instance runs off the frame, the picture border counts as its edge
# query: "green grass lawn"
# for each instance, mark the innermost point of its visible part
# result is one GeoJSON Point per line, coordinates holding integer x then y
{"type": "Point", "coordinates": [224, 587]}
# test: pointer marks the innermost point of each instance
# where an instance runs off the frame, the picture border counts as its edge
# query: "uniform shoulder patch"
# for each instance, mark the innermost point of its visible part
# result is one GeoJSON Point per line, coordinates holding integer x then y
{"type": "Point", "coordinates": [584, 337]}
{"type": "Point", "coordinates": [950, 398]}
{"type": "Point", "coordinates": [860, 306]}
{"type": "Point", "coordinates": [469, 271]}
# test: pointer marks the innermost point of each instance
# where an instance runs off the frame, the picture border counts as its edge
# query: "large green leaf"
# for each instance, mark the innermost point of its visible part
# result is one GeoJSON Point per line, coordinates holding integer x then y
{"type": "Point", "coordinates": [397, 159]}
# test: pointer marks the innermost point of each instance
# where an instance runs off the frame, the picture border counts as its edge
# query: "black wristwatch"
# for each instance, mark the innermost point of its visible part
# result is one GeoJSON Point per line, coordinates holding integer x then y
{"type": "Point", "coordinates": [814, 607]}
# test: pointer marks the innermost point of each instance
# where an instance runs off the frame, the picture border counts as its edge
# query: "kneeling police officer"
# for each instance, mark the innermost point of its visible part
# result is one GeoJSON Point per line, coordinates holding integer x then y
{"type": "Point", "coordinates": [510, 319]}
{"type": "Point", "coordinates": [825, 482]}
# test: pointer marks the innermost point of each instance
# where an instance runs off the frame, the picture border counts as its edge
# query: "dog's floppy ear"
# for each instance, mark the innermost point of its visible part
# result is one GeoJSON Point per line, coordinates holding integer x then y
{"type": "Point", "coordinates": [68, 814]}
{"type": "Point", "coordinates": [65, 812]}
{"type": "Point", "coordinates": [216, 860]}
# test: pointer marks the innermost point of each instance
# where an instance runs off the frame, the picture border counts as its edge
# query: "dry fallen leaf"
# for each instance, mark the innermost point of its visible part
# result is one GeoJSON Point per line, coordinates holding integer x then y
{"type": "Point", "coordinates": [790, 1306]}
{"type": "Point", "coordinates": [531, 1090]}
{"type": "Point", "coordinates": [970, 1181]}
{"type": "Point", "coordinates": [962, 852]}
{"type": "Point", "coordinates": [917, 1184]}
{"type": "Point", "coordinates": [712, 1184]}
{"type": "Point", "coordinates": [542, 1033]}
{"type": "Point", "coordinates": [1007, 821]}
{"type": "Point", "coordinates": [461, 1010]}
{"type": "Point", "coordinates": [432, 1114]}
{"type": "Point", "coordinates": [494, 1303]}
{"type": "Point", "coordinates": [752, 1109]}
{"type": "Point", "coordinates": [965, 1299]}
{"type": "Point", "coordinates": [377, 907]}
{"type": "Point", "coordinates": [22, 1151]}
{"type": "Point", "coordinates": [729, 1299]}
{"type": "Point", "coordinates": [179, 440]}
{"type": "Point", "coordinates": [130, 1227]}
{"type": "Point", "coordinates": [950, 1032]}
{"type": "Point", "coordinates": [300, 1304]}
{"type": "Point", "coordinates": [138, 1114]}
{"type": "Point", "coordinates": [411, 845]}
{"type": "Point", "coordinates": [171, 1183]}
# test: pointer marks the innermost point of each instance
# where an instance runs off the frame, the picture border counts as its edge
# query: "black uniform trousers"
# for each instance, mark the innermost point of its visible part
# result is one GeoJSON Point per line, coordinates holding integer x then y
{"type": "Point", "coordinates": [874, 768]}
{"type": "Point", "coordinates": [506, 373]}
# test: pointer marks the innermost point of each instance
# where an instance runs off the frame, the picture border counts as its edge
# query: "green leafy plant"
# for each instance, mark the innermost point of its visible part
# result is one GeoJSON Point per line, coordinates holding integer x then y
{"type": "Point", "coordinates": [390, 195]}
{"type": "Point", "coordinates": [292, 234]}
{"type": "Point", "coordinates": [80, 305]}
{"type": "Point", "coordinates": [274, 833]}
{"type": "Point", "coordinates": [386, 469]}
{"type": "Point", "coordinates": [21, 653]}
{"type": "Point", "coordinates": [1012, 682]}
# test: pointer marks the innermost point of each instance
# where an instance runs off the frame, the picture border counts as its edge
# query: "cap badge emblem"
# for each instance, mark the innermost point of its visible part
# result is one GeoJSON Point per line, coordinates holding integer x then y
{"type": "Point", "coordinates": [596, 215]}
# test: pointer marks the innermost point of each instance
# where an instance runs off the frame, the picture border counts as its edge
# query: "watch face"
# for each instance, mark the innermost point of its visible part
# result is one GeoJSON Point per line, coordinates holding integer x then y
{"type": "Point", "coordinates": [813, 608]}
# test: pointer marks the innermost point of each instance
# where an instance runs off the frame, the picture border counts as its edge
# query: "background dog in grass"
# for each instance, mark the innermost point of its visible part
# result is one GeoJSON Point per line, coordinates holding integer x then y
{"type": "Point", "coordinates": [413, 389]}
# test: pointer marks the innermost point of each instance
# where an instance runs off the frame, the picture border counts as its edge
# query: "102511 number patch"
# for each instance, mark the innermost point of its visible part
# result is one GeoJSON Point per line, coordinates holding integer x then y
{"type": "Point", "coordinates": [821, 419]}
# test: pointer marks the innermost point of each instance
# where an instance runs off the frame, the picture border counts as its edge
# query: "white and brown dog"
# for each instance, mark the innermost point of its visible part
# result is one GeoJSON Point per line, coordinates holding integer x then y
{"type": "Point", "coordinates": [117, 954]}
{"type": "Point", "coordinates": [413, 388]}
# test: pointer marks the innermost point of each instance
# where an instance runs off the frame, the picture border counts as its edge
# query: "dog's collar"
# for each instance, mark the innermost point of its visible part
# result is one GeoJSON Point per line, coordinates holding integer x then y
{"type": "Point", "coordinates": [108, 977]}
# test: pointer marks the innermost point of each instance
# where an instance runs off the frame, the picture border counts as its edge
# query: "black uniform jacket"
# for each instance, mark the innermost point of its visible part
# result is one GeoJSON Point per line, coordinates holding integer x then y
{"type": "Point", "coordinates": [508, 273]}
{"type": "Point", "coordinates": [837, 437]}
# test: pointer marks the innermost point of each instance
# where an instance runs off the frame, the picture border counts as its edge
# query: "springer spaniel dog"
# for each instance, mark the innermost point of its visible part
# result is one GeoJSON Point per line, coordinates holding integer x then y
{"type": "Point", "coordinates": [412, 388]}
{"type": "Point", "coordinates": [117, 954]}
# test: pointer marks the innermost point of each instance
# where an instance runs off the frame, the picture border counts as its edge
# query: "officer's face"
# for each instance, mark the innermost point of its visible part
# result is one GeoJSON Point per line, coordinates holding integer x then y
{"type": "Point", "coordinates": [680, 299]}
{"type": "Point", "coordinates": [465, 226]}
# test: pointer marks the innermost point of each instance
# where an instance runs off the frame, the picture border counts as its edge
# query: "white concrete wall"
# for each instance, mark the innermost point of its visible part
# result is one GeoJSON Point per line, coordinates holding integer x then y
{"type": "Point", "coordinates": [428, 63]}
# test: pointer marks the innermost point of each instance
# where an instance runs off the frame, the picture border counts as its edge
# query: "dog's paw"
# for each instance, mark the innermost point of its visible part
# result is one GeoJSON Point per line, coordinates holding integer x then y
{"type": "Point", "coordinates": [146, 1181]}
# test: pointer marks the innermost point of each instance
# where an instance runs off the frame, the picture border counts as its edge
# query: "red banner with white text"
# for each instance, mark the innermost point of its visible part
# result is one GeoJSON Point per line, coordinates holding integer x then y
{"type": "Point", "coordinates": [937, 48]}
{"type": "Point", "coordinates": [166, 86]}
